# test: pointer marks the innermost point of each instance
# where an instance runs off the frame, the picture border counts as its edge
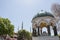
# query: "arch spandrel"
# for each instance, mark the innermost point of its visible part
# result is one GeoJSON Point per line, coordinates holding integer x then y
{"type": "Point", "coordinates": [52, 22]}
{"type": "Point", "coordinates": [43, 24]}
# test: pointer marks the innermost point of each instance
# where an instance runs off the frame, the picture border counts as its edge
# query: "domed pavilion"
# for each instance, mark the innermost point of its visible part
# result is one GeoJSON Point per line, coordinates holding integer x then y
{"type": "Point", "coordinates": [41, 20]}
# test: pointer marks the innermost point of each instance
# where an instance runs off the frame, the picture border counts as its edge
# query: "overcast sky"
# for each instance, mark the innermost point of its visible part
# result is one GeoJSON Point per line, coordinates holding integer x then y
{"type": "Point", "coordinates": [23, 10]}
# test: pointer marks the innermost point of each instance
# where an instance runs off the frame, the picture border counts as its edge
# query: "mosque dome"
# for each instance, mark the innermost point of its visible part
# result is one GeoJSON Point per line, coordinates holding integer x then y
{"type": "Point", "coordinates": [43, 15]}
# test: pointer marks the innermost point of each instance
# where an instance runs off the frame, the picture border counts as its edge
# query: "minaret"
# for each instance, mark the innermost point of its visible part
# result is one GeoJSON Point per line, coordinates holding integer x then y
{"type": "Point", "coordinates": [18, 28]}
{"type": "Point", "coordinates": [22, 26]}
{"type": "Point", "coordinates": [30, 29]}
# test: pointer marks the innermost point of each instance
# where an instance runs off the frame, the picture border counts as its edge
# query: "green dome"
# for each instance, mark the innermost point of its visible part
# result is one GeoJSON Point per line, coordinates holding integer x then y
{"type": "Point", "coordinates": [43, 15]}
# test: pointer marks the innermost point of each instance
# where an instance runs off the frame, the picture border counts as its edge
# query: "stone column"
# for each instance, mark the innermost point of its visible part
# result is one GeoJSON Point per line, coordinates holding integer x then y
{"type": "Point", "coordinates": [34, 32]}
{"type": "Point", "coordinates": [41, 31]}
{"type": "Point", "coordinates": [55, 31]}
{"type": "Point", "coordinates": [38, 31]}
{"type": "Point", "coordinates": [48, 29]}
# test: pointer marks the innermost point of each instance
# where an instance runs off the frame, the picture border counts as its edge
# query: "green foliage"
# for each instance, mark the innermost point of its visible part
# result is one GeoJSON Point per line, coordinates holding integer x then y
{"type": "Point", "coordinates": [23, 34]}
{"type": "Point", "coordinates": [6, 27]}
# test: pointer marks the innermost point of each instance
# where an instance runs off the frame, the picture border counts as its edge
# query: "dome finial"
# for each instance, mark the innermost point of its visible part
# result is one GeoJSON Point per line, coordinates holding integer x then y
{"type": "Point", "coordinates": [41, 10]}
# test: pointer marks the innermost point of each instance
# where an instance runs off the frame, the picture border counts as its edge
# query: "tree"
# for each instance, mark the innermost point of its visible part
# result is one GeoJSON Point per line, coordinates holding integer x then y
{"type": "Point", "coordinates": [6, 27]}
{"type": "Point", "coordinates": [24, 35]}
